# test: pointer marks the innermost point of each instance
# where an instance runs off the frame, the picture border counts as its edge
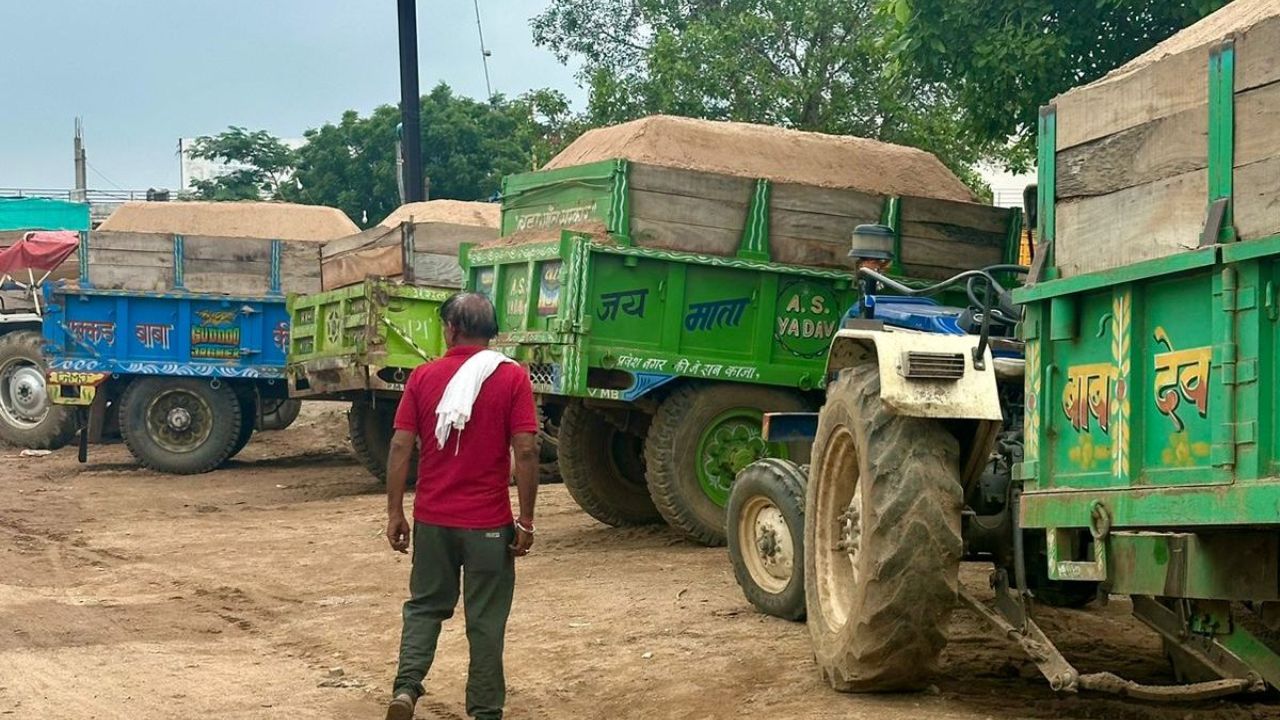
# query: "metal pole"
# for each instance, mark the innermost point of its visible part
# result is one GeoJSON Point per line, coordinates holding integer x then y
{"type": "Point", "coordinates": [410, 113]}
{"type": "Point", "coordinates": [82, 183]}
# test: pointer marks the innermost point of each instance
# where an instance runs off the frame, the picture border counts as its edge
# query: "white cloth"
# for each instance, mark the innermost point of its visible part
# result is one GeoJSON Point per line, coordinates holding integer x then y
{"type": "Point", "coordinates": [454, 409]}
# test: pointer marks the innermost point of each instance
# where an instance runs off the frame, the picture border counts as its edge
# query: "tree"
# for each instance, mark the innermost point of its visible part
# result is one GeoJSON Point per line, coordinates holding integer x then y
{"type": "Point", "coordinates": [467, 147]}
{"type": "Point", "coordinates": [259, 164]}
{"type": "Point", "coordinates": [1004, 60]}
{"type": "Point", "coordinates": [806, 64]}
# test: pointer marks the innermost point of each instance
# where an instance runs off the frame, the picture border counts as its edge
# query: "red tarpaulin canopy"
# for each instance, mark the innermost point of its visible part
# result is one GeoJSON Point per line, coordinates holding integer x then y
{"type": "Point", "coordinates": [42, 250]}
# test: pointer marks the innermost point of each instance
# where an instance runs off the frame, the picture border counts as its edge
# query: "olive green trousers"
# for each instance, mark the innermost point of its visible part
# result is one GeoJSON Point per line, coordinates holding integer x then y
{"type": "Point", "coordinates": [476, 564]}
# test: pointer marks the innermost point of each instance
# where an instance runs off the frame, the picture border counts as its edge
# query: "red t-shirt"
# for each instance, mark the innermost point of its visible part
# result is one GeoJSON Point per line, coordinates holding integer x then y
{"type": "Point", "coordinates": [464, 484]}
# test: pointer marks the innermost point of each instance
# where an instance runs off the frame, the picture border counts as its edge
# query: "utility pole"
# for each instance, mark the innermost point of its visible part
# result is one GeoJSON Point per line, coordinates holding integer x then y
{"type": "Point", "coordinates": [410, 112]}
{"type": "Point", "coordinates": [80, 194]}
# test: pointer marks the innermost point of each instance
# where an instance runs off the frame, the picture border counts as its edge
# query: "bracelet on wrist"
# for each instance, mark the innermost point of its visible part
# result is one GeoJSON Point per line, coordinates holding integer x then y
{"type": "Point", "coordinates": [525, 528]}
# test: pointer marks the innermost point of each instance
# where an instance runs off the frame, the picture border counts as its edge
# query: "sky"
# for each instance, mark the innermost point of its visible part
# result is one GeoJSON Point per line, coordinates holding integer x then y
{"type": "Point", "coordinates": [143, 73]}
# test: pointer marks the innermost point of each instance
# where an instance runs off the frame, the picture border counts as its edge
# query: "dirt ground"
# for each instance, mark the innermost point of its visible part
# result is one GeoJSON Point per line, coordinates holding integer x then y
{"type": "Point", "coordinates": [266, 590]}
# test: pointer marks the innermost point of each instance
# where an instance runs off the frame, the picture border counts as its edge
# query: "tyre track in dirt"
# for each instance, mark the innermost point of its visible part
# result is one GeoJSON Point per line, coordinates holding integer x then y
{"type": "Point", "coordinates": [232, 594]}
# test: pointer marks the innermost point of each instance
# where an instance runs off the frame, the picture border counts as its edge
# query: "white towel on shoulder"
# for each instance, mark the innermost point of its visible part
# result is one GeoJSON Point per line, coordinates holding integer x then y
{"type": "Point", "coordinates": [454, 409]}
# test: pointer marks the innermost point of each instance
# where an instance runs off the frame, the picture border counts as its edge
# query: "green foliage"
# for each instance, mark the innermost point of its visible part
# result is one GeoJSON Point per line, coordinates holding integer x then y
{"type": "Point", "coordinates": [808, 64]}
{"type": "Point", "coordinates": [1004, 60]}
{"type": "Point", "coordinates": [467, 147]}
{"type": "Point", "coordinates": [260, 165]}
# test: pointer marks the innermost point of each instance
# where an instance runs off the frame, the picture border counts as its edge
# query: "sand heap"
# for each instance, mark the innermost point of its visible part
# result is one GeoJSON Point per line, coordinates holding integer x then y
{"type": "Point", "coordinates": [458, 212]}
{"type": "Point", "coordinates": [278, 221]}
{"type": "Point", "coordinates": [1235, 17]}
{"type": "Point", "coordinates": [763, 151]}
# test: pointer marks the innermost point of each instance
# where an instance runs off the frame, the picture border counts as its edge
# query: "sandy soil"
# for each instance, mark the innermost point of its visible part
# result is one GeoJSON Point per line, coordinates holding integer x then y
{"type": "Point", "coordinates": [128, 594]}
{"type": "Point", "coordinates": [282, 221]}
{"type": "Point", "coordinates": [763, 151]}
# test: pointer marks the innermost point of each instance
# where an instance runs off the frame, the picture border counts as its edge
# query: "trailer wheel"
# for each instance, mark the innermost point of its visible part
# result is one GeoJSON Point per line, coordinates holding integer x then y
{"type": "Point", "coordinates": [27, 418]}
{"type": "Point", "coordinates": [370, 427]}
{"type": "Point", "coordinates": [182, 426]}
{"type": "Point", "coordinates": [278, 413]}
{"type": "Point", "coordinates": [248, 419]}
{"type": "Point", "coordinates": [765, 524]}
{"type": "Point", "coordinates": [701, 438]}
{"type": "Point", "coordinates": [603, 468]}
{"type": "Point", "coordinates": [883, 538]}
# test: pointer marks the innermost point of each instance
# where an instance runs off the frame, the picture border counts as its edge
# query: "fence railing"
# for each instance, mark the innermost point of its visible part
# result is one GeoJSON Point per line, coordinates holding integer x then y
{"type": "Point", "coordinates": [91, 196]}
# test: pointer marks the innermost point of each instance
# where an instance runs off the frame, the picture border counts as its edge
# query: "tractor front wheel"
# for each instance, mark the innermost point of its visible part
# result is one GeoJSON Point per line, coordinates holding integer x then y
{"type": "Point", "coordinates": [882, 534]}
{"type": "Point", "coordinates": [765, 524]}
{"type": "Point", "coordinates": [182, 426]}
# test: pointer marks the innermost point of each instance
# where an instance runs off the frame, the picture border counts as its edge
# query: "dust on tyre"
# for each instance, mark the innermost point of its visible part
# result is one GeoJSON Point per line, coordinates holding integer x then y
{"type": "Point", "coordinates": [603, 468]}
{"type": "Point", "coordinates": [27, 418]}
{"type": "Point", "coordinates": [765, 531]}
{"type": "Point", "coordinates": [882, 529]}
{"type": "Point", "coordinates": [182, 426]}
{"type": "Point", "coordinates": [370, 426]}
{"type": "Point", "coordinates": [702, 436]}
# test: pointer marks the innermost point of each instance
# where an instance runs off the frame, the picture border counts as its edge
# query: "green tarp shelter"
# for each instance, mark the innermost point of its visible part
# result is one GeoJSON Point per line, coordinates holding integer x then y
{"type": "Point", "coordinates": [26, 213]}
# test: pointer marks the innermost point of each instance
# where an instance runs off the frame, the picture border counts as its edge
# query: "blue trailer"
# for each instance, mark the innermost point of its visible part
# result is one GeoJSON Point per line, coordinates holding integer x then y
{"type": "Point", "coordinates": [187, 375]}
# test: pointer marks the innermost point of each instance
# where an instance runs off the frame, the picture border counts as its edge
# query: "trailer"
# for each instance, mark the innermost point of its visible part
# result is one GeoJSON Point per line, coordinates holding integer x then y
{"type": "Point", "coordinates": [180, 341]}
{"type": "Point", "coordinates": [661, 362]}
{"type": "Point", "coordinates": [378, 315]}
{"type": "Point", "coordinates": [1121, 443]}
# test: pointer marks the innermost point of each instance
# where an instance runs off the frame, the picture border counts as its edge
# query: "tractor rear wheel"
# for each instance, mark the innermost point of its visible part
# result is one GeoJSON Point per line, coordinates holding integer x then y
{"type": "Point", "coordinates": [603, 468]}
{"type": "Point", "coordinates": [27, 418]}
{"type": "Point", "coordinates": [370, 427]}
{"type": "Point", "coordinates": [882, 534]}
{"type": "Point", "coordinates": [765, 524]}
{"type": "Point", "coordinates": [701, 438]}
{"type": "Point", "coordinates": [182, 426]}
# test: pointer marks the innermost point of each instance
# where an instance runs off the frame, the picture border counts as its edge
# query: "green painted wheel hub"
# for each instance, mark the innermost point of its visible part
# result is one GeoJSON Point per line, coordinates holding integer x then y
{"type": "Point", "coordinates": [729, 443]}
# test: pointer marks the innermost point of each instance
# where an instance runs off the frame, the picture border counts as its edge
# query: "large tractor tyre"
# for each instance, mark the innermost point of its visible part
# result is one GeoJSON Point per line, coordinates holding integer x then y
{"type": "Point", "coordinates": [370, 427]}
{"type": "Point", "coordinates": [27, 418]}
{"type": "Point", "coordinates": [701, 438]}
{"type": "Point", "coordinates": [765, 524]}
{"type": "Point", "coordinates": [182, 426]}
{"type": "Point", "coordinates": [278, 414]}
{"type": "Point", "coordinates": [603, 468]}
{"type": "Point", "coordinates": [248, 419]}
{"type": "Point", "coordinates": [882, 534]}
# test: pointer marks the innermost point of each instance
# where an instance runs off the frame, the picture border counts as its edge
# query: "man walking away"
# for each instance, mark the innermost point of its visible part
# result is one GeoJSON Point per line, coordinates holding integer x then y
{"type": "Point", "coordinates": [467, 411]}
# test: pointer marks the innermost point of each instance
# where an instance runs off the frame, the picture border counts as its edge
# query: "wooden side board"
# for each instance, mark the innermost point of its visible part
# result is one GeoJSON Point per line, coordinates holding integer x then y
{"type": "Point", "coordinates": [1164, 88]}
{"type": "Point", "coordinates": [379, 252]}
{"type": "Point", "coordinates": [231, 266]}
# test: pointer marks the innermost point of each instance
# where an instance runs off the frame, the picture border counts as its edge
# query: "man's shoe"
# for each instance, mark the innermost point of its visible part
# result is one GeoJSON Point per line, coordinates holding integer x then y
{"type": "Point", "coordinates": [401, 707]}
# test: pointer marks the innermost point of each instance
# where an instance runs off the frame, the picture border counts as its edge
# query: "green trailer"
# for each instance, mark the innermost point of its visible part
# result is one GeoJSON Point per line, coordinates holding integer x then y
{"type": "Point", "coordinates": [658, 363]}
{"type": "Point", "coordinates": [359, 344]}
{"type": "Point", "coordinates": [1122, 443]}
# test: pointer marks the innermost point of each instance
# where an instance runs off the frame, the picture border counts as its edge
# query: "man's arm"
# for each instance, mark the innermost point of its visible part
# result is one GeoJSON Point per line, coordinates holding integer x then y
{"type": "Point", "coordinates": [402, 442]}
{"type": "Point", "coordinates": [525, 446]}
{"type": "Point", "coordinates": [397, 477]}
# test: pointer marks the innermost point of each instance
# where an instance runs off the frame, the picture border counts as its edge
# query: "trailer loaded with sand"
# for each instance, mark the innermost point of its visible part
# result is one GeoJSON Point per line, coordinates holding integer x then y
{"type": "Point", "coordinates": [668, 280]}
{"type": "Point", "coordinates": [377, 316]}
{"type": "Point", "coordinates": [175, 328]}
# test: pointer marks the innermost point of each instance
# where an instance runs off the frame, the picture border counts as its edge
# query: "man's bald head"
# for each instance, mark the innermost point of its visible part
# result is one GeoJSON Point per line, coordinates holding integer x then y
{"type": "Point", "coordinates": [470, 317]}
